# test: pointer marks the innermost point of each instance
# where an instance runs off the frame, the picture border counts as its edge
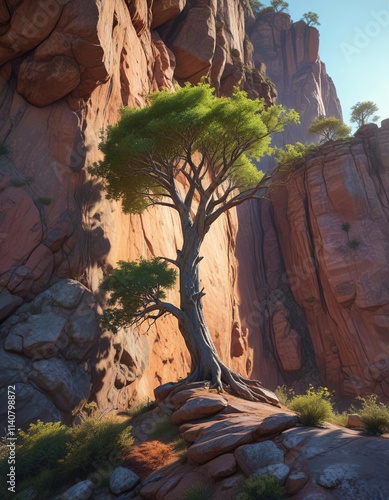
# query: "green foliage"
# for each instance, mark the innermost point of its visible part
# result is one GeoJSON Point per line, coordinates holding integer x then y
{"type": "Point", "coordinates": [313, 407]}
{"type": "Point", "coordinates": [284, 394]}
{"type": "Point", "coordinates": [40, 446]}
{"type": "Point", "coordinates": [133, 286]}
{"type": "Point", "coordinates": [235, 54]}
{"type": "Point", "coordinates": [290, 153]}
{"type": "Point", "coordinates": [17, 182]}
{"type": "Point", "coordinates": [51, 456]}
{"type": "Point", "coordinates": [45, 200]}
{"type": "Point", "coordinates": [256, 6]}
{"type": "Point", "coordinates": [199, 491]}
{"type": "Point", "coordinates": [265, 487]}
{"type": "Point", "coordinates": [354, 244]}
{"type": "Point", "coordinates": [279, 5]}
{"type": "Point", "coordinates": [94, 441]}
{"type": "Point", "coordinates": [339, 418]}
{"type": "Point", "coordinates": [311, 18]}
{"type": "Point", "coordinates": [3, 149]}
{"type": "Point", "coordinates": [361, 112]}
{"type": "Point", "coordinates": [143, 152]}
{"type": "Point", "coordinates": [374, 415]}
{"type": "Point", "coordinates": [329, 128]}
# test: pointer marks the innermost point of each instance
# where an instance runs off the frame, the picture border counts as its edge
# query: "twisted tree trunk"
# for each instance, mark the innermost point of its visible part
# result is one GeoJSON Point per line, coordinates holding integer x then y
{"type": "Point", "coordinates": [206, 363]}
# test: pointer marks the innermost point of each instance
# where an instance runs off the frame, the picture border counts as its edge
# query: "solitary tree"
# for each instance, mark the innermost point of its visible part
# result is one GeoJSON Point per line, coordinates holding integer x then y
{"type": "Point", "coordinates": [329, 128]}
{"type": "Point", "coordinates": [192, 152]}
{"type": "Point", "coordinates": [361, 112]}
{"type": "Point", "coordinates": [311, 18]}
{"type": "Point", "coordinates": [279, 5]}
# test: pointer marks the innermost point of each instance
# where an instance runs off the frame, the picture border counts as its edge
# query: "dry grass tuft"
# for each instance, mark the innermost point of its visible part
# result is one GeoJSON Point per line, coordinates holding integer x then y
{"type": "Point", "coordinates": [149, 456]}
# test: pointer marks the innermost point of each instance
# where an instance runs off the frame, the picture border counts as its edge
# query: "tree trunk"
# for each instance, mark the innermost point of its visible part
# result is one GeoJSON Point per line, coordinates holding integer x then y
{"type": "Point", "coordinates": [206, 363]}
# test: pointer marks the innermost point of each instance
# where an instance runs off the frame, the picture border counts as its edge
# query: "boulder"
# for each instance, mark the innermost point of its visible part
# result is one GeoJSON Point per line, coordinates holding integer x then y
{"type": "Point", "coordinates": [122, 480]}
{"type": "Point", "coordinates": [80, 491]}
{"type": "Point", "coordinates": [295, 482]}
{"type": "Point", "coordinates": [222, 466]}
{"type": "Point", "coordinates": [254, 457]}
{"type": "Point", "coordinates": [198, 407]}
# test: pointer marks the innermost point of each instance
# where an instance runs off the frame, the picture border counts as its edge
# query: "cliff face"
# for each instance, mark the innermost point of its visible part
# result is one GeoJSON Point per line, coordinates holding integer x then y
{"type": "Point", "coordinates": [290, 52]}
{"type": "Point", "coordinates": [332, 221]}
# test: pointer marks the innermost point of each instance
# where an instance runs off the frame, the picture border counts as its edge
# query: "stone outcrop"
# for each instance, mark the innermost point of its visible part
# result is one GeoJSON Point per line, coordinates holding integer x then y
{"type": "Point", "coordinates": [45, 353]}
{"type": "Point", "coordinates": [290, 52]}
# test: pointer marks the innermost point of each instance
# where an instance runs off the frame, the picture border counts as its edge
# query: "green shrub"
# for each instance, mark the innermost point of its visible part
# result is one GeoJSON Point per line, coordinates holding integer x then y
{"type": "Point", "coordinates": [265, 487]}
{"type": "Point", "coordinates": [51, 456]}
{"type": "Point", "coordinates": [3, 149]}
{"type": "Point", "coordinates": [354, 244]}
{"type": "Point", "coordinates": [284, 394]}
{"type": "Point", "coordinates": [374, 415]}
{"type": "Point", "coordinates": [199, 491]}
{"type": "Point", "coordinates": [45, 200]}
{"type": "Point", "coordinates": [17, 182]}
{"type": "Point", "coordinates": [339, 418]}
{"type": "Point", "coordinates": [93, 442]}
{"type": "Point", "coordinates": [313, 407]}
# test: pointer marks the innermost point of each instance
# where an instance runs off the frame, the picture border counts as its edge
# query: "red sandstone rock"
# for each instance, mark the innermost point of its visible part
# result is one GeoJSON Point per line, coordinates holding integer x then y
{"type": "Point", "coordinates": [198, 407]}
{"type": "Point", "coordinates": [166, 11]}
{"type": "Point", "coordinates": [222, 466]}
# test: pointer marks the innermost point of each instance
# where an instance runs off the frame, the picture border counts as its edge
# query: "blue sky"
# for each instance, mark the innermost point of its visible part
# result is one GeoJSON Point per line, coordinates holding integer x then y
{"type": "Point", "coordinates": [354, 45]}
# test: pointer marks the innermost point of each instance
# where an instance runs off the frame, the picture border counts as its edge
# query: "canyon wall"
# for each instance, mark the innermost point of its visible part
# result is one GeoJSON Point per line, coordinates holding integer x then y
{"type": "Point", "coordinates": [290, 52]}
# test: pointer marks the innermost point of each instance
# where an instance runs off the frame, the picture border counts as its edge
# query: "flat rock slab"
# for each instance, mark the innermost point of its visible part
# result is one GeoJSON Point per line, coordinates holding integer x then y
{"type": "Point", "coordinates": [199, 407]}
{"type": "Point", "coordinates": [222, 466]}
{"type": "Point", "coordinates": [253, 457]}
{"type": "Point", "coordinates": [275, 424]}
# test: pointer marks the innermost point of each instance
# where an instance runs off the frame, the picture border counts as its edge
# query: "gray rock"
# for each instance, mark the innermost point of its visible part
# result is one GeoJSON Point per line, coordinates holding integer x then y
{"type": "Point", "coordinates": [80, 491]}
{"type": "Point", "coordinates": [280, 470]}
{"type": "Point", "coordinates": [66, 293]}
{"type": "Point", "coordinates": [122, 480]}
{"type": "Point", "coordinates": [333, 475]}
{"type": "Point", "coordinates": [252, 457]}
{"type": "Point", "coordinates": [66, 384]}
{"type": "Point", "coordinates": [8, 304]}
{"type": "Point", "coordinates": [39, 337]}
{"type": "Point", "coordinates": [14, 369]}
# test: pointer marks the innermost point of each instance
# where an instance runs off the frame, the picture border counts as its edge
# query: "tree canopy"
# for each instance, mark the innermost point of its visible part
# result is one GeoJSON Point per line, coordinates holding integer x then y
{"type": "Point", "coordinates": [329, 128]}
{"type": "Point", "coordinates": [149, 148]}
{"type": "Point", "coordinates": [311, 18]}
{"type": "Point", "coordinates": [361, 112]}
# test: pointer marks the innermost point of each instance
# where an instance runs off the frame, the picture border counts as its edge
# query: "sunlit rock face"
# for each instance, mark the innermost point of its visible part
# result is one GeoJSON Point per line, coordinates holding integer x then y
{"type": "Point", "coordinates": [290, 52]}
{"type": "Point", "coordinates": [332, 221]}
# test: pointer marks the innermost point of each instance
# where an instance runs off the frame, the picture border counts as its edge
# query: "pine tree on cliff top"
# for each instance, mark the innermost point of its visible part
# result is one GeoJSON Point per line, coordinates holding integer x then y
{"type": "Point", "coordinates": [192, 152]}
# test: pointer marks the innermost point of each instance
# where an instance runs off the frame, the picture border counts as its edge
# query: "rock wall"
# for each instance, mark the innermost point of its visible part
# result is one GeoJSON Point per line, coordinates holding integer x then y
{"type": "Point", "coordinates": [290, 52]}
{"type": "Point", "coordinates": [331, 217]}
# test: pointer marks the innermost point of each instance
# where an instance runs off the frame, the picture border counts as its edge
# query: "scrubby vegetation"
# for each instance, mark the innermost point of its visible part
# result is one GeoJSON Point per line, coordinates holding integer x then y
{"type": "Point", "coordinates": [52, 456]}
{"type": "Point", "coordinates": [329, 128]}
{"type": "Point", "coordinates": [200, 491]}
{"type": "Point", "coordinates": [265, 487]}
{"type": "Point", "coordinates": [374, 415]}
{"type": "Point", "coordinates": [314, 407]}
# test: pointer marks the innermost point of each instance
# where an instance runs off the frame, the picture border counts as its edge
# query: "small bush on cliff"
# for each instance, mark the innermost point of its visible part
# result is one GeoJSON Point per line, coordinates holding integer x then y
{"type": "Point", "coordinates": [265, 487]}
{"type": "Point", "coordinates": [329, 128]}
{"type": "Point", "coordinates": [3, 149]}
{"type": "Point", "coordinates": [361, 112]}
{"type": "Point", "coordinates": [374, 415]}
{"type": "Point", "coordinates": [313, 407]}
{"type": "Point", "coordinates": [311, 18]}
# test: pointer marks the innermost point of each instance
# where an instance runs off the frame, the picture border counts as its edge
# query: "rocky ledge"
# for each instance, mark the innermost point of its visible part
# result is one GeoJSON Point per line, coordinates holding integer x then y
{"type": "Point", "coordinates": [230, 439]}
